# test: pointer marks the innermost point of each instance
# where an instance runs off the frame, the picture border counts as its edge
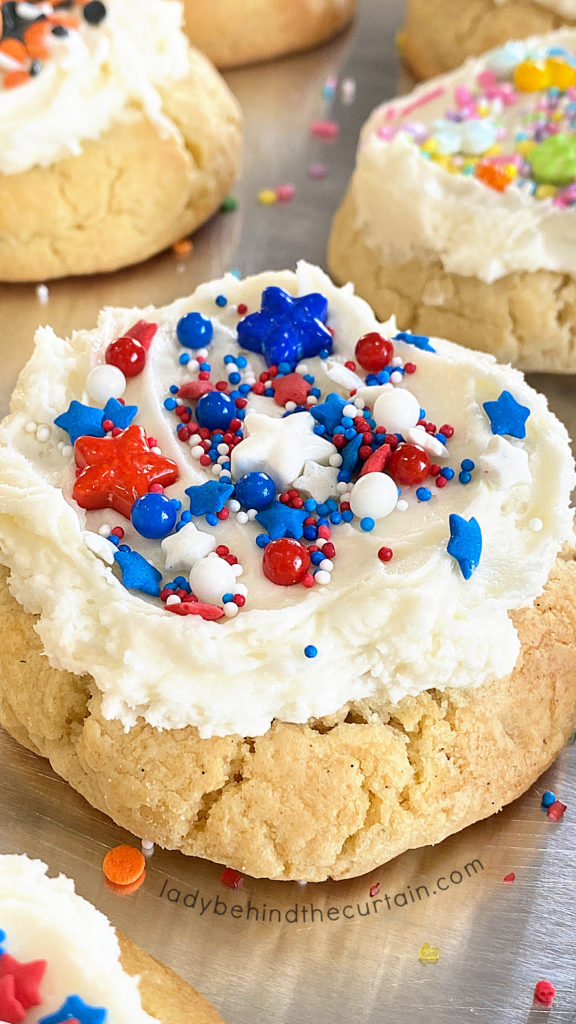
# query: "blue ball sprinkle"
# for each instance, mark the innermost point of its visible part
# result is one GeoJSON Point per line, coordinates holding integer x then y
{"type": "Point", "coordinates": [335, 518]}
{"type": "Point", "coordinates": [234, 378]}
{"type": "Point", "coordinates": [311, 651]}
{"type": "Point", "coordinates": [221, 300]}
{"type": "Point", "coordinates": [464, 478]}
{"type": "Point", "coordinates": [180, 581]}
{"type": "Point", "coordinates": [228, 359]}
{"type": "Point", "coordinates": [205, 367]}
{"type": "Point", "coordinates": [194, 330]}
{"type": "Point", "coordinates": [242, 362]}
{"type": "Point", "coordinates": [468, 465]}
{"type": "Point", "coordinates": [262, 540]}
{"type": "Point", "coordinates": [170, 404]}
{"type": "Point", "coordinates": [227, 598]}
{"type": "Point", "coordinates": [255, 490]}
{"type": "Point", "coordinates": [212, 519]}
{"type": "Point", "coordinates": [447, 473]}
{"type": "Point", "coordinates": [310, 505]}
{"type": "Point", "coordinates": [548, 798]}
{"type": "Point", "coordinates": [184, 358]}
{"type": "Point", "coordinates": [310, 533]}
{"type": "Point", "coordinates": [348, 516]}
{"type": "Point", "coordinates": [367, 524]}
{"type": "Point", "coordinates": [423, 494]}
{"type": "Point", "coordinates": [154, 515]}
{"type": "Point", "coordinates": [215, 410]}
{"type": "Point", "coordinates": [441, 438]}
{"type": "Point", "coordinates": [113, 539]}
{"type": "Point", "coordinates": [316, 557]}
{"type": "Point", "coordinates": [174, 389]}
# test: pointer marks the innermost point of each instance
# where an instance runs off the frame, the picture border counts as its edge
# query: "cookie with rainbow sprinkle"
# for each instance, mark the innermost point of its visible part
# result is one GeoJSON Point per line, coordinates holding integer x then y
{"type": "Point", "coordinates": [233, 33]}
{"type": "Point", "coordinates": [285, 586]}
{"type": "Point", "coordinates": [461, 212]}
{"type": "Point", "coordinates": [116, 138]}
{"type": "Point", "coordinates": [439, 34]}
{"type": "Point", "coordinates": [61, 960]}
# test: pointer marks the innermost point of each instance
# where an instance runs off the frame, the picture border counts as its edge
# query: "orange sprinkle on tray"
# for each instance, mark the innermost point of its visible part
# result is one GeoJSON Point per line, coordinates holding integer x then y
{"type": "Point", "coordinates": [183, 247]}
{"type": "Point", "coordinates": [124, 866]}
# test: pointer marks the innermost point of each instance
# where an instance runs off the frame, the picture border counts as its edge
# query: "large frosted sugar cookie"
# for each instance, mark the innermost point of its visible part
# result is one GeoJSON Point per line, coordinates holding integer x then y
{"type": "Point", "coordinates": [116, 138]}
{"type": "Point", "coordinates": [439, 34]}
{"type": "Point", "coordinates": [60, 959]}
{"type": "Point", "coordinates": [285, 587]}
{"type": "Point", "coordinates": [460, 215]}
{"type": "Point", "coordinates": [233, 33]}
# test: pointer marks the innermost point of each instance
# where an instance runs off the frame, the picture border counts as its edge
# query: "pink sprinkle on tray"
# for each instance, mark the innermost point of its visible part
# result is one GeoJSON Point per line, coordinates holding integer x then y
{"type": "Point", "coordinates": [317, 171]}
{"type": "Point", "coordinates": [374, 889]}
{"type": "Point", "coordinates": [544, 993]}
{"type": "Point", "coordinates": [510, 878]}
{"type": "Point", "coordinates": [232, 879]}
{"type": "Point", "coordinates": [326, 130]}
{"type": "Point", "coordinates": [285, 193]}
{"type": "Point", "coordinates": [557, 810]}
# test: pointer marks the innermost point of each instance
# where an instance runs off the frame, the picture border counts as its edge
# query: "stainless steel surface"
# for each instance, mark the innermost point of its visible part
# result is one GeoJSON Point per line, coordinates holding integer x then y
{"type": "Point", "coordinates": [335, 963]}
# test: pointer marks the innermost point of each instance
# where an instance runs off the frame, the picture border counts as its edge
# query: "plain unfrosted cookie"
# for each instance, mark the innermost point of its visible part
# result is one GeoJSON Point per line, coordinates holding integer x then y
{"type": "Point", "coordinates": [233, 33]}
{"type": "Point", "coordinates": [334, 798]}
{"type": "Point", "coordinates": [439, 34]}
{"type": "Point", "coordinates": [527, 319]}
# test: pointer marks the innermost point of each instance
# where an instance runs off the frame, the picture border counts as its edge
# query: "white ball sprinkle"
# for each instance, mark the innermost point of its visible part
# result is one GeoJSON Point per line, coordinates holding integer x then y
{"type": "Point", "coordinates": [321, 542]}
{"type": "Point", "coordinates": [238, 569]}
{"type": "Point", "coordinates": [396, 377]}
{"type": "Point", "coordinates": [397, 410]}
{"type": "Point", "coordinates": [402, 505]}
{"type": "Point", "coordinates": [194, 439]}
{"type": "Point", "coordinates": [216, 469]}
{"type": "Point", "coordinates": [241, 588]}
{"type": "Point", "coordinates": [327, 565]}
{"type": "Point", "coordinates": [242, 518]}
{"type": "Point", "coordinates": [234, 505]}
{"type": "Point", "coordinates": [104, 382]}
{"type": "Point", "coordinates": [252, 513]}
{"type": "Point", "coordinates": [397, 361]}
{"type": "Point", "coordinates": [536, 525]}
{"type": "Point", "coordinates": [147, 845]}
{"type": "Point", "coordinates": [197, 450]}
{"type": "Point", "coordinates": [302, 368]}
{"type": "Point", "coordinates": [202, 354]}
{"type": "Point", "coordinates": [31, 427]}
{"type": "Point", "coordinates": [360, 403]}
{"type": "Point", "coordinates": [156, 450]}
{"type": "Point", "coordinates": [231, 610]}
{"type": "Point", "coordinates": [42, 294]}
{"type": "Point", "coordinates": [173, 599]}
{"type": "Point", "coordinates": [290, 406]}
{"type": "Point", "coordinates": [335, 461]}
{"type": "Point", "coordinates": [322, 577]}
{"type": "Point", "coordinates": [105, 530]}
{"type": "Point", "coordinates": [211, 578]}
{"type": "Point", "coordinates": [67, 451]}
{"type": "Point", "coordinates": [311, 400]}
{"type": "Point", "coordinates": [342, 488]}
{"type": "Point", "coordinates": [350, 410]}
{"type": "Point", "coordinates": [193, 365]}
{"type": "Point", "coordinates": [374, 495]}
{"type": "Point", "coordinates": [43, 433]}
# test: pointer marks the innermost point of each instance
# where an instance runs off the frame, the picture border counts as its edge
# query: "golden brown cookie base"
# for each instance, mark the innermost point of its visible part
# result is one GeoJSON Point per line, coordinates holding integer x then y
{"type": "Point", "coordinates": [235, 32]}
{"type": "Point", "coordinates": [164, 993]}
{"type": "Point", "coordinates": [440, 34]}
{"type": "Point", "coordinates": [130, 193]}
{"type": "Point", "coordinates": [334, 798]}
{"type": "Point", "coordinates": [527, 318]}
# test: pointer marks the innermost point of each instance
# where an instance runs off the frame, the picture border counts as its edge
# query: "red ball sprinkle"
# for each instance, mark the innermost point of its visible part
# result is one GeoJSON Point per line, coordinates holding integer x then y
{"type": "Point", "coordinates": [373, 351]}
{"type": "Point", "coordinates": [242, 308]}
{"type": "Point", "coordinates": [239, 600]}
{"type": "Point", "coordinates": [107, 425]}
{"type": "Point", "coordinates": [116, 432]}
{"type": "Point", "coordinates": [204, 375]}
{"type": "Point", "coordinates": [221, 385]}
{"type": "Point", "coordinates": [204, 433]}
{"type": "Point", "coordinates": [350, 365]}
{"type": "Point", "coordinates": [324, 532]}
{"type": "Point", "coordinates": [446, 429]}
{"type": "Point", "coordinates": [308, 580]}
{"type": "Point", "coordinates": [156, 489]}
{"type": "Point", "coordinates": [205, 460]}
{"type": "Point", "coordinates": [410, 367]}
{"type": "Point", "coordinates": [544, 993]}
{"type": "Point", "coordinates": [339, 440]}
{"type": "Point", "coordinates": [409, 464]}
{"type": "Point", "coordinates": [118, 532]}
{"type": "Point", "coordinates": [235, 424]}
{"type": "Point", "coordinates": [441, 481]}
{"type": "Point", "coordinates": [329, 551]}
{"type": "Point", "coordinates": [128, 355]}
{"type": "Point", "coordinates": [385, 554]}
{"type": "Point", "coordinates": [285, 561]}
{"type": "Point", "coordinates": [222, 550]}
{"type": "Point", "coordinates": [223, 513]}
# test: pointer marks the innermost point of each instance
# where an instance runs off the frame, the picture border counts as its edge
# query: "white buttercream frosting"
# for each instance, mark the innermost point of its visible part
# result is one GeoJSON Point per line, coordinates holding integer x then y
{"type": "Point", "coordinates": [45, 919]}
{"type": "Point", "coordinates": [411, 208]}
{"type": "Point", "coordinates": [381, 630]}
{"type": "Point", "coordinates": [98, 75]}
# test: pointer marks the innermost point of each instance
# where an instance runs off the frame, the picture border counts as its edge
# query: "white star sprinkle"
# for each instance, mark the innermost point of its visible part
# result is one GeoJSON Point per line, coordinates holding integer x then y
{"type": "Point", "coordinates": [279, 447]}
{"type": "Point", "coordinates": [504, 464]}
{"type": "Point", "coordinates": [320, 482]}
{"type": "Point", "coordinates": [188, 546]}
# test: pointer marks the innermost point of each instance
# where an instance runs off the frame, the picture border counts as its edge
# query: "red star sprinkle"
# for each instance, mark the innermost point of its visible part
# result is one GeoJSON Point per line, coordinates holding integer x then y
{"type": "Point", "coordinates": [117, 470]}
{"type": "Point", "coordinates": [27, 978]}
{"type": "Point", "coordinates": [11, 1009]}
{"type": "Point", "coordinates": [291, 388]}
{"type": "Point", "coordinates": [195, 389]}
{"type": "Point", "coordinates": [142, 332]}
{"type": "Point", "coordinates": [375, 463]}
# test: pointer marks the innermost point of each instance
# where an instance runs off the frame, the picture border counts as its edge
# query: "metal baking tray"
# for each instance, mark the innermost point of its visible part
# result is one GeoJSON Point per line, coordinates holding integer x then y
{"type": "Point", "coordinates": [319, 953]}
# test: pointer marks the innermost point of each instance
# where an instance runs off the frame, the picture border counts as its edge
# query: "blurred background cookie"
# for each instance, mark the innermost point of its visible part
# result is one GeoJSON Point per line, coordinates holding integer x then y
{"type": "Point", "coordinates": [116, 139]}
{"type": "Point", "coordinates": [233, 33]}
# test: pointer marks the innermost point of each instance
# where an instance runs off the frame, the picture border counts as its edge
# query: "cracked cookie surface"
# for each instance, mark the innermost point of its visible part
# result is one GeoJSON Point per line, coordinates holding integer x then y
{"type": "Point", "coordinates": [333, 798]}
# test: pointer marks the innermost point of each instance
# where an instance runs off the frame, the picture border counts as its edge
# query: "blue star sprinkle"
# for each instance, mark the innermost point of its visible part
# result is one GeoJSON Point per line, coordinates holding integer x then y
{"type": "Point", "coordinates": [465, 544]}
{"type": "Point", "coordinates": [418, 340]}
{"type": "Point", "coordinates": [349, 458]}
{"type": "Point", "coordinates": [507, 416]}
{"type": "Point", "coordinates": [282, 521]}
{"type": "Point", "coordinates": [121, 415]}
{"type": "Point", "coordinates": [76, 1009]}
{"type": "Point", "coordinates": [209, 497]}
{"type": "Point", "coordinates": [81, 421]}
{"type": "Point", "coordinates": [137, 573]}
{"type": "Point", "coordinates": [329, 412]}
{"type": "Point", "coordinates": [287, 330]}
